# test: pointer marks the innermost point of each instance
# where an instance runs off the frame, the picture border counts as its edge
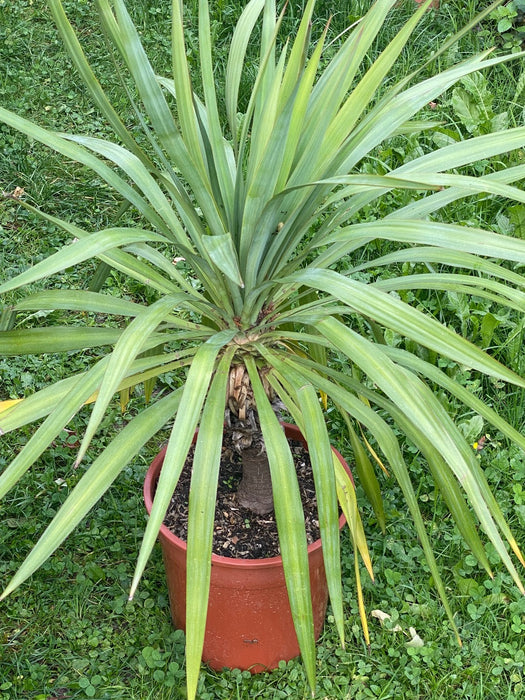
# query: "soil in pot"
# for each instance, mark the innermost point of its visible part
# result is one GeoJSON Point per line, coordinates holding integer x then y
{"type": "Point", "coordinates": [240, 533]}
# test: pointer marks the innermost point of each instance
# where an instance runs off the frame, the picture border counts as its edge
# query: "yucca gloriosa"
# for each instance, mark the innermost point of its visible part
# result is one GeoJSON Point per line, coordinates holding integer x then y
{"type": "Point", "coordinates": [262, 207]}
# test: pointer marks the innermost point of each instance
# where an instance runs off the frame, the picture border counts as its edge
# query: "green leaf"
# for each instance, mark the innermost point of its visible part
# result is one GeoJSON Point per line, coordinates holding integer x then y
{"type": "Point", "coordinates": [429, 254]}
{"type": "Point", "coordinates": [290, 523]}
{"type": "Point", "coordinates": [219, 155]}
{"type": "Point", "coordinates": [7, 318]}
{"type": "Point", "coordinates": [181, 77]}
{"type": "Point", "coordinates": [37, 405]}
{"type": "Point", "coordinates": [299, 54]}
{"type": "Point", "coordinates": [366, 90]}
{"type": "Point", "coordinates": [464, 152]}
{"type": "Point", "coordinates": [466, 108]}
{"type": "Point", "coordinates": [35, 341]}
{"type": "Point", "coordinates": [80, 154]}
{"type": "Point", "coordinates": [84, 386]}
{"type": "Point", "coordinates": [451, 236]}
{"type": "Point", "coordinates": [222, 252]}
{"type": "Point", "coordinates": [422, 408]}
{"type": "Point", "coordinates": [182, 155]}
{"type": "Point", "coordinates": [447, 485]}
{"type": "Point", "coordinates": [490, 289]}
{"type": "Point", "coordinates": [184, 426]}
{"type": "Point", "coordinates": [95, 482]}
{"type": "Point", "coordinates": [321, 456]}
{"type": "Point", "coordinates": [310, 420]}
{"type": "Point", "coordinates": [78, 251]}
{"type": "Point", "coordinates": [409, 322]}
{"type": "Point", "coordinates": [396, 110]}
{"type": "Point", "coordinates": [388, 444]}
{"type": "Point", "coordinates": [118, 259]}
{"type": "Point", "coordinates": [139, 174]}
{"type": "Point", "coordinates": [203, 495]}
{"type": "Point", "coordinates": [434, 374]}
{"type": "Point", "coordinates": [128, 346]}
{"type": "Point", "coordinates": [238, 46]}
{"type": "Point", "coordinates": [77, 300]}
{"type": "Point", "coordinates": [332, 87]}
{"type": "Point", "coordinates": [43, 402]}
{"type": "Point", "coordinates": [89, 79]}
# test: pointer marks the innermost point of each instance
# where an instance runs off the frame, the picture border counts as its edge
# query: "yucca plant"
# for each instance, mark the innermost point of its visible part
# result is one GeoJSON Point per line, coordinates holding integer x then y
{"type": "Point", "coordinates": [265, 204]}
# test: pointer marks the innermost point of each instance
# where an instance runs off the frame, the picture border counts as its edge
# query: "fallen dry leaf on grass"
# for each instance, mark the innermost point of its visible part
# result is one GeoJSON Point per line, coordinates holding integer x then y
{"type": "Point", "coordinates": [415, 639]}
{"type": "Point", "coordinates": [15, 194]}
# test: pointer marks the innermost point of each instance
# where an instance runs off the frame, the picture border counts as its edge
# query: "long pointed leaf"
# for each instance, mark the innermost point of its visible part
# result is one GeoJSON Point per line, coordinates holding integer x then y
{"type": "Point", "coordinates": [434, 374]}
{"type": "Point", "coordinates": [118, 259]}
{"type": "Point", "coordinates": [35, 341]}
{"type": "Point", "coordinates": [310, 421]}
{"type": "Point", "coordinates": [238, 46]}
{"type": "Point", "coordinates": [203, 495]}
{"type": "Point", "coordinates": [78, 300]}
{"type": "Point", "coordinates": [186, 420]}
{"type": "Point", "coordinates": [181, 76]}
{"type": "Point", "coordinates": [77, 395]}
{"type": "Point", "coordinates": [290, 523]}
{"type": "Point", "coordinates": [390, 447]}
{"type": "Point", "coordinates": [140, 175]}
{"type": "Point", "coordinates": [429, 254]}
{"type": "Point", "coordinates": [89, 79]}
{"type": "Point", "coordinates": [77, 252]}
{"type": "Point", "coordinates": [219, 159]}
{"type": "Point", "coordinates": [126, 350]}
{"type": "Point", "coordinates": [406, 320]}
{"type": "Point", "coordinates": [425, 411]}
{"type": "Point", "coordinates": [43, 402]}
{"type": "Point", "coordinates": [80, 154]}
{"type": "Point", "coordinates": [95, 482]}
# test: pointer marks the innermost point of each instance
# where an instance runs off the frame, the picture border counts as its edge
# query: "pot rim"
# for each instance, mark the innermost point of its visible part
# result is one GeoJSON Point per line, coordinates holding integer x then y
{"type": "Point", "coordinates": [150, 483]}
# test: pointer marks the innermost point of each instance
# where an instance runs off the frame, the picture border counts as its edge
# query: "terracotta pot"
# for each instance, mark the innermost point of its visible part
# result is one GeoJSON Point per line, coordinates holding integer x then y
{"type": "Point", "coordinates": [249, 623]}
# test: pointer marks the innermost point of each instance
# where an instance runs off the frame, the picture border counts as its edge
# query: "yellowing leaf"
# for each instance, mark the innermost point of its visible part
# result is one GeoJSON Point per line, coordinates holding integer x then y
{"type": "Point", "coordinates": [5, 405]}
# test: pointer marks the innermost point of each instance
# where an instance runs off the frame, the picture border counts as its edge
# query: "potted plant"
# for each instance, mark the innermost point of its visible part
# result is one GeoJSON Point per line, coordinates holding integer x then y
{"type": "Point", "coordinates": [257, 241]}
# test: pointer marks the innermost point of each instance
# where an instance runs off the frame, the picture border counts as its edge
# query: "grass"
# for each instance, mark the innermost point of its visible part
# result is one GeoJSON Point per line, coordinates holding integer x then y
{"type": "Point", "coordinates": [70, 632]}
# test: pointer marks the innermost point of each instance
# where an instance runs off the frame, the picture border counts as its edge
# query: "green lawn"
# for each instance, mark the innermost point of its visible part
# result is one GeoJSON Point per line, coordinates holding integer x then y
{"type": "Point", "coordinates": [69, 632]}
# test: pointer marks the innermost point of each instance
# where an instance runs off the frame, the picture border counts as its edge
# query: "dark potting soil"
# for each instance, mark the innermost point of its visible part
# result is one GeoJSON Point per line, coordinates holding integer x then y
{"type": "Point", "coordinates": [238, 532]}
